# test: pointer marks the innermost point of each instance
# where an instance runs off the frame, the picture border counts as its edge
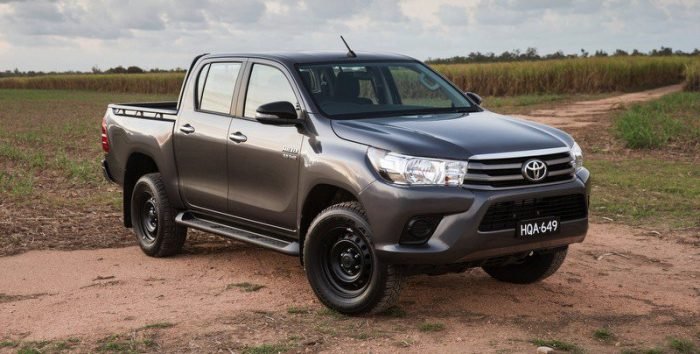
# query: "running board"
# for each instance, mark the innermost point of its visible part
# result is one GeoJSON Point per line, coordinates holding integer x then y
{"type": "Point", "coordinates": [287, 247]}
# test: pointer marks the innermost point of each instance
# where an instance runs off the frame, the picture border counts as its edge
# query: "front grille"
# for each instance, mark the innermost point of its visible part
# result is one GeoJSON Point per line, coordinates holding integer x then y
{"type": "Point", "coordinates": [505, 215]}
{"type": "Point", "coordinates": [507, 172]}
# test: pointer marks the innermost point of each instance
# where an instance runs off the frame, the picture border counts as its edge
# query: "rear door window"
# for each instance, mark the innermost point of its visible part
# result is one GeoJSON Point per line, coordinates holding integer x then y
{"type": "Point", "coordinates": [218, 87]}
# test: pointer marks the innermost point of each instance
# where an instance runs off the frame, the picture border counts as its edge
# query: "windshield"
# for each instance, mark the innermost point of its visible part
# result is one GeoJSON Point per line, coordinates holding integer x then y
{"type": "Point", "coordinates": [361, 90]}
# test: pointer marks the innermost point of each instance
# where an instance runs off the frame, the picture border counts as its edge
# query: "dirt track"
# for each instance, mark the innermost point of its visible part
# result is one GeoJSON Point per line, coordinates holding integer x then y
{"type": "Point", "coordinates": [585, 113]}
{"type": "Point", "coordinates": [623, 278]}
{"type": "Point", "coordinates": [642, 285]}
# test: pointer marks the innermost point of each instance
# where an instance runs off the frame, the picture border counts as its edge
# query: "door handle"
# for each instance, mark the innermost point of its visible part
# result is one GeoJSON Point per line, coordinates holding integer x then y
{"type": "Point", "coordinates": [238, 137]}
{"type": "Point", "coordinates": [187, 129]}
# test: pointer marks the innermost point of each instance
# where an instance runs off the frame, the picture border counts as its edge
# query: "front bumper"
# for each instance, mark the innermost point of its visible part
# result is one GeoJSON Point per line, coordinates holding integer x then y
{"type": "Point", "coordinates": [457, 238]}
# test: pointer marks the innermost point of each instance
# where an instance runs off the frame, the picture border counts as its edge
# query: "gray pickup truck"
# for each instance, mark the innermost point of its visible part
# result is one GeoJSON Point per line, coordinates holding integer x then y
{"type": "Point", "coordinates": [368, 167]}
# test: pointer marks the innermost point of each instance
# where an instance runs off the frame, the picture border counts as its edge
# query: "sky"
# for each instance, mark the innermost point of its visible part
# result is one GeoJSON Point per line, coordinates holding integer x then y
{"type": "Point", "coordinates": [63, 35]}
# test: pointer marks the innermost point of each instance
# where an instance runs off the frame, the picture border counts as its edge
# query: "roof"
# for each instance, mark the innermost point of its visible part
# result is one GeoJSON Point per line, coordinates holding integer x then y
{"type": "Point", "coordinates": [316, 57]}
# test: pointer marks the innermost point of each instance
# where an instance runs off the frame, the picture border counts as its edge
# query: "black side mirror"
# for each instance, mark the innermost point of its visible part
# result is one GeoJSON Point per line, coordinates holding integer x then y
{"type": "Point", "coordinates": [474, 97]}
{"type": "Point", "coordinates": [281, 111]}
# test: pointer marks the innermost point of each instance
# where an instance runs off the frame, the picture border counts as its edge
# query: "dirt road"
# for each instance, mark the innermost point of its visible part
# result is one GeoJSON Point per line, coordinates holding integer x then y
{"type": "Point", "coordinates": [643, 287]}
{"type": "Point", "coordinates": [585, 113]}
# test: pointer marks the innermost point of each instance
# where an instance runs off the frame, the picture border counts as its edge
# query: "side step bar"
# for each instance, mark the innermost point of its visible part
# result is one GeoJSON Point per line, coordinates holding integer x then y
{"type": "Point", "coordinates": [190, 220]}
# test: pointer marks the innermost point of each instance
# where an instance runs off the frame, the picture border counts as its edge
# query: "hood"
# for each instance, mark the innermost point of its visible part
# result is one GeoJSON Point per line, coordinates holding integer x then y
{"type": "Point", "coordinates": [451, 136]}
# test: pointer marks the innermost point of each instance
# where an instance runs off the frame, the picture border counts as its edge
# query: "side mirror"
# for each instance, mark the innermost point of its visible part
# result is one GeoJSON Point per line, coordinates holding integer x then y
{"type": "Point", "coordinates": [474, 97]}
{"type": "Point", "coordinates": [281, 111]}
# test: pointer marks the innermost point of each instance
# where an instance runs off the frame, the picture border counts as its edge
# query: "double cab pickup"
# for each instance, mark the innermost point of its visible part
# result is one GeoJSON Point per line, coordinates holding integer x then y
{"type": "Point", "coordinates": [368, 167]}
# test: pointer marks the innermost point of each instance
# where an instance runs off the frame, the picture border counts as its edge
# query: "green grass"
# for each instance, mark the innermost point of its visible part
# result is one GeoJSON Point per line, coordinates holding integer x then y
{"type": "Point", "coordinates": [495, 102]}
{"type": "Point", "coordinates": [559, 345]}
{"type": "Point", "coordinates": [642, 351]}
{"type": "Point", "coordinates": [245, 286]}
{"type": "Point", "coordinates": [646, 191]}
{"type": "Point", "coordinates": [683, 346]}
{"type": "Point", "coordinates": [297, 310]}
{"type": "Point", "coordinates": [394, 311]}
{"type": "Point", "coordinates": [431, 327]}
{"type": "Point", "coordinates": [17, 184]}
{"type": "Point", "coordinates": [158, 325]}
{"type": "Point", "coordinates": [267, 349]}
{"type": "Point", "coordinates": [672, 119]}
{"type": "Point", "coordinates": [126, 344]}
{"type": "Point", "coordinates": [44, 346]}
{"type": "Point", "coordinates": [604, 334]}
{"type": "Point", "coordinates": [8, 344]}
{"type": "Point", "coordinates": [330, 313]}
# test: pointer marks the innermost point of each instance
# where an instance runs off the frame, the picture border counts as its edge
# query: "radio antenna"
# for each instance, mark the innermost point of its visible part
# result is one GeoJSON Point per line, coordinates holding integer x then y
{"type": "Point", "coordinates": [351, 54]}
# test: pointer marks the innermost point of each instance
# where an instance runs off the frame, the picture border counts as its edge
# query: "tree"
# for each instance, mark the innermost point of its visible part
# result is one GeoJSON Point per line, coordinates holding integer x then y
{"type": "Point", "coordinates": [134, 70]}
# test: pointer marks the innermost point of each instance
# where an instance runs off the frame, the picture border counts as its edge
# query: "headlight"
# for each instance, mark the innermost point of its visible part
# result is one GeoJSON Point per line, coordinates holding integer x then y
{"type": "Point", "coordinates": [402, 169]}
{"type": "Point", "coordinates": [577, 155]}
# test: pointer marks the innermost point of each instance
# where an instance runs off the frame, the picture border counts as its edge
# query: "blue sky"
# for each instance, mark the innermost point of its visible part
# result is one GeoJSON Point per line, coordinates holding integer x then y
{"type": "Point", "coordinates": [80, 34]}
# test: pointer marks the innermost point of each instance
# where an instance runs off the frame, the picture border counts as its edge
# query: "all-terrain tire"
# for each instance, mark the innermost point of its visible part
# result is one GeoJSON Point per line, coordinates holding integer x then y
{"type": "Point", "coordinates": [534, 268]}
{"type": "Point", "coordinates": [341, 264]}
{"type": "Point", "coordinates": [154, 218]}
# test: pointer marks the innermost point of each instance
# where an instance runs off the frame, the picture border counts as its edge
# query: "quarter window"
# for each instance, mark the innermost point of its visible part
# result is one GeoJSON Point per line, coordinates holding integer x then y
{"type": "Point", "coordinates": [217, 92]}
{"type": "Point", "coordinates": [267, 84]}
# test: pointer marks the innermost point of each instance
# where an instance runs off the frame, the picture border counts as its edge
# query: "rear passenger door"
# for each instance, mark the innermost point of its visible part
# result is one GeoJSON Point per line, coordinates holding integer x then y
{"type": "Point", "coordinates": [201, 136]}
{"type": "Point", "coordinates": [263, 161]}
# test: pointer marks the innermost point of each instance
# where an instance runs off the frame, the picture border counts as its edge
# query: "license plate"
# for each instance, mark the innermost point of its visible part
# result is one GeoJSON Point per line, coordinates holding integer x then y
{"type": "Point", "coordinates": [537, 227]}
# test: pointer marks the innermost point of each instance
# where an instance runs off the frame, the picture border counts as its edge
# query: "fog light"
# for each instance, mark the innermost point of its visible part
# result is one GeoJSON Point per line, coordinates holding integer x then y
{"type": "Point", "coordinates": [419, 229]}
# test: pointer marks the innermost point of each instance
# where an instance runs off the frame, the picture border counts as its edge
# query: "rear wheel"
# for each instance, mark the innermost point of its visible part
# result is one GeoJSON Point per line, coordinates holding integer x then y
{"type": "Point", "coordinates": [154, 218]}
{"type": "Point", "coordinates": [533, 268]}
{"type": "Point", "coordinates": [341, 265]}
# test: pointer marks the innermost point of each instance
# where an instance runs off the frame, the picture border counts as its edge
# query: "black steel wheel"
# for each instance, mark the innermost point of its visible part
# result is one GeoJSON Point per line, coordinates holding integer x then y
{"type": "Point", "coordinates": [341, 265]}
{"type": "Point", "coordinates": [149, 218]}
{"type": "Point", "coordinates": [347, 264]}
{"type": "Point", "coordinates": [154, 218]}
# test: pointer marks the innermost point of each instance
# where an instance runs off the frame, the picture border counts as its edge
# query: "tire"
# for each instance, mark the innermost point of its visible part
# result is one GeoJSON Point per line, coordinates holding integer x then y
{"type": "Point", "coordinates": [341, 264]}
{"type": "Point", "coordinates": [534, 268]}
{"type": "Point", "coordinates": [154, 218]}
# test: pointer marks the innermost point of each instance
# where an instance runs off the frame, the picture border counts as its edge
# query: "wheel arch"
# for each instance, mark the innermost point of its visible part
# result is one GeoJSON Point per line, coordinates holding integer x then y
{"type": "Point", "coordinates": [137, 165]}
{"type": "Point", "coordinates": [320, 197]}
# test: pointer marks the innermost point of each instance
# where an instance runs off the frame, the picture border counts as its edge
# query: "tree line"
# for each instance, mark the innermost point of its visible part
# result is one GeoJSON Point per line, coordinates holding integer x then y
{"type": "Point", "coordinates": [95, 70]}
{"type": "Point", "coordinates": [531, 54]}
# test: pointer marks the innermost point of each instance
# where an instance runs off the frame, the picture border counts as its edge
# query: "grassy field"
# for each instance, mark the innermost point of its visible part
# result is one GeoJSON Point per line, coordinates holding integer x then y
{"type": "Point", "coordinates": [652, 191]}
{"type": "Point", "coordinates": [692, 77]}
{"type": "Point", "coordinates": [50, 178]}
{"type": "Point", "coordinates": [671, 120]}
{"type": "Point", "coordinates": [582, 75]}
{"type": "Point", "coordinates": [148, 83]}
{"type": "Point", "coordinates": [551, 78]}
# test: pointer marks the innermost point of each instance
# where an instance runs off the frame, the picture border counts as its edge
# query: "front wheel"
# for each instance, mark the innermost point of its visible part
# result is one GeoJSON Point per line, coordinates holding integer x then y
{"type": "Point", "coordinates": [154, 218]}
{"type": "Point", "coordinates": [341, 264]}
{"type": "Point", "coordinates": [535, 267]}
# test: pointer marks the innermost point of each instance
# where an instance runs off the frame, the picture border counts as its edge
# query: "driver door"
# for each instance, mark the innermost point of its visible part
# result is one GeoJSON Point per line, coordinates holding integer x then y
{"type": "Point", "coordinates": [263, 160]}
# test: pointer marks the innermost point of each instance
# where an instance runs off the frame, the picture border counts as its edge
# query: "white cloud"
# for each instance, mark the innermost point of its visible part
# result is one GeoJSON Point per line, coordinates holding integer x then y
{"type": "Point", "coordinates": [162, 33]}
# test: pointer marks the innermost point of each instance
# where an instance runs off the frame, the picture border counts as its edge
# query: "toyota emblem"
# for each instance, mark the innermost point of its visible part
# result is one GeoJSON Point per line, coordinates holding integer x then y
{"type": "Point", "coordinates": [534, 170]}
